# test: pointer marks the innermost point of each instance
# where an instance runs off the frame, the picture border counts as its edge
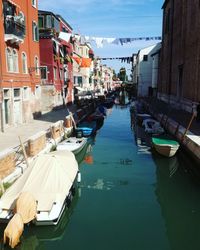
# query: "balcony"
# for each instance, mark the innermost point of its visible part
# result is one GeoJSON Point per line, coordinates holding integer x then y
{"type": "Point", "coordinates": [14, 30]}
{"type": "Point", "coordinates": [47, 32]}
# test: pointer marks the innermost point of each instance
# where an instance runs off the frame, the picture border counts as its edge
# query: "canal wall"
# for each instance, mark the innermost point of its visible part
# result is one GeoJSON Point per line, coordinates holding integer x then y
{"type": "Point", "coordinates": [14, 161]}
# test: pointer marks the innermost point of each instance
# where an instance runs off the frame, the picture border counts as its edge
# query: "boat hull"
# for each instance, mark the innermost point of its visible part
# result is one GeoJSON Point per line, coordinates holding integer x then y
{"type": "Point", "coordinates": [72, 144]}
{"type": "Point", "coordinates": [45, 218]}
{"type": "Point", "coordinates": [166, 150]}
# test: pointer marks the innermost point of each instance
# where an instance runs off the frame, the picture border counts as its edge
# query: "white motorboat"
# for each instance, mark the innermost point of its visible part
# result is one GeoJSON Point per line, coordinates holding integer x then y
{"type": "Point", "coordinates": [50, 180]}
{"type": "Point", "coordinates": [152, 126]}
{"type": "Point", "coordinates": [72, 144]}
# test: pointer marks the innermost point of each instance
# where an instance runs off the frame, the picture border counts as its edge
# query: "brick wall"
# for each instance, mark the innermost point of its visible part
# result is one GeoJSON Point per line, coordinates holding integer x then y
{"type": "Point", "coordinates": [36, 144]}
{"type": "Point", "coordinates": [7, 163]}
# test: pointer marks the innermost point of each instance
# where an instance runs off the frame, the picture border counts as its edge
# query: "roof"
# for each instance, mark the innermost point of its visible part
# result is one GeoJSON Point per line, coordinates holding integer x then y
{"type": "Point", "coordinates": [63, 20]}
{"type": "Point", "coordinates": [42, 12]}
{"type": "Point", "coordinates": [165, 3]}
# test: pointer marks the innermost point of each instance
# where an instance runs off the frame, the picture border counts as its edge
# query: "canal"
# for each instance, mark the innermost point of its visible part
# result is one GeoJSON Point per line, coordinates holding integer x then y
{"type": "Point", "coordinates": [129, 198]}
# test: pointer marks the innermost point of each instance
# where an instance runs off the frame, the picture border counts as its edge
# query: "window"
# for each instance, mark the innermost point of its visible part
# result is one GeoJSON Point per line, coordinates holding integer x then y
{"type": "Point", "coordinates": [48, 21]}
{"type": "Point", "coordinates": [35, 31]}
{"type": "Point", "coordinates": [24, 63]}
{"type": "Point", "coordinates": [36, 63]}
{"type": "Point", "coordinates": [80, 80]}
{"type": "Point", "coordinates": [145, 58]}
{"type": "Point", "coordinates": [61, 74]}
{"type": "Point", "coordinates": [55, 73]}
{"type": "Point", "coordinates": [34, 3]}
{"type": "Point", "coordinates": [6, 93]}
{"type": "Point", "coordinates": [15, 61]}
{"type": "Point", "coordinates": [44, 73]}
{"type": "Point", "coordinates": [9, 59]}
{"type": "Point", "coordinates": [66, 75]}
{"type": "Point", "coordinates": [37, 91]}
{"type": "Point", "coordinates": [41, 22]}
{"type": "Point", "coordinates": [16, 93]}
{"type": "Point", "coordinates": [26, 93]}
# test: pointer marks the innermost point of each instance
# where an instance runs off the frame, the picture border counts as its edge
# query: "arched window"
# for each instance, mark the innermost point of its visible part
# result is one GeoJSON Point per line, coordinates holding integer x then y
{"type": "Point", "coordinates": [35, 31]}
{"type": "Point", "coordinates": [24, 63]}
{"type": "Point", "coordinates": [34, 3]}
{"type": "Point", "coordinates": [36, 63]}
{"type": "Point", "coordinates": [15, 61]}
{"type": "Point", "coordinates": [9, 59]}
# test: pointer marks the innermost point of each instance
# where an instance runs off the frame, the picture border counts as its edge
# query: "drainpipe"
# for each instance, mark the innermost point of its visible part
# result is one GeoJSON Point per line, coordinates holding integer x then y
{"type": "Point", "coordinates": [171, 50]}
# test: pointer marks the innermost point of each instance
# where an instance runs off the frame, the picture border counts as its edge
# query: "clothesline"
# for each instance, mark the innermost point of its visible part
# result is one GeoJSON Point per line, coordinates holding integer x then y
{"type": "Point", "coordinates": [101, 41]}
{"type": "Point", "coordinates": [127, 59]}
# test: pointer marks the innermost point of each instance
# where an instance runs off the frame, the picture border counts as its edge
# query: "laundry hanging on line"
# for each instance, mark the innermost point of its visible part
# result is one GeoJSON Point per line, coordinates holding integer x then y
{"type": "Point", "coordinates": [100, 41]}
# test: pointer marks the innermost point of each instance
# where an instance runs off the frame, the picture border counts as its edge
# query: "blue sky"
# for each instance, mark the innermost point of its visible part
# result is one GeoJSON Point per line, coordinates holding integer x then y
{"type": "Point", "coordinates": [111, 18]}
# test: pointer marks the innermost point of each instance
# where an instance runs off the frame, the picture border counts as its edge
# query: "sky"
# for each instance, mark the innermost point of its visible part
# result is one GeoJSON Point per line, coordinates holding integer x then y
{"type": "Point", "coordinates": [111, 18]}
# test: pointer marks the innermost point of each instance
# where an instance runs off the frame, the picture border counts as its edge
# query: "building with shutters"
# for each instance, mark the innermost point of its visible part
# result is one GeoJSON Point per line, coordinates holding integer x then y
{"type": "Point", "coordinates": [56, 60]}
{"type": "Point", "coordinates": [20, 92]}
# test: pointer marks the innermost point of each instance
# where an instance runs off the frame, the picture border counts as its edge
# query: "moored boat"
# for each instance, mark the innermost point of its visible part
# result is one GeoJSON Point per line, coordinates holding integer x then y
{"type": "Point", "coordinates": [50, 180]}
{"type": "Point", "coordinates": [86, 128]}
{"type": "Point", "coordinates": [152, 126]}
{"type": "Point", "coordinates": [72, 144]}
{"type": "Point", "coordinates": [166, 147]}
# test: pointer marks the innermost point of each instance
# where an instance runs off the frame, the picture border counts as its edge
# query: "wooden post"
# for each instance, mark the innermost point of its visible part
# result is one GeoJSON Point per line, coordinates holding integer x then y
{"type": "Point", "coordinates": [188, 127]}
{"type": "Point", "coordinates": [73, 121]}
{"type": "Point", "coordinates": [24, 151]}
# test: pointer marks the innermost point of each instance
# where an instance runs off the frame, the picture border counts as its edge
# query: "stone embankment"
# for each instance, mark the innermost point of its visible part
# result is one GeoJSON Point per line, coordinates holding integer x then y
{"type": "Point", "coordinates": [14, 160]}
{"type": "Point", "coordinates": [181, 124]}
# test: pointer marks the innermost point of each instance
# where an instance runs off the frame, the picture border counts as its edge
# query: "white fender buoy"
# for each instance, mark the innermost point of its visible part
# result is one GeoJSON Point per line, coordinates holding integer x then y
{"type": "Point", "coordinates": [79, 177]}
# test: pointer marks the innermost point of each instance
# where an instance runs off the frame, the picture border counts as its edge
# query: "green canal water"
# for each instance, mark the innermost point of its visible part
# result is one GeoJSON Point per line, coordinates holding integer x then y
{"type": "Point", "coordinates": [129, 198]}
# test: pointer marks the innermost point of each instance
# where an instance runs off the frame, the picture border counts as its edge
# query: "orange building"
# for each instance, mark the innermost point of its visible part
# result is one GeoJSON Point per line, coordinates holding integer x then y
{"type": "Point", "coordinates": [19, 62]}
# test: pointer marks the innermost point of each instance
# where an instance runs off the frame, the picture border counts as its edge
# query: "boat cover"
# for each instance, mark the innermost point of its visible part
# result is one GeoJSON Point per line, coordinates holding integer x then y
{"type": "Point", "coordinates": [49, 179]}
{"type": "Point", "coordinates": [14, 230]}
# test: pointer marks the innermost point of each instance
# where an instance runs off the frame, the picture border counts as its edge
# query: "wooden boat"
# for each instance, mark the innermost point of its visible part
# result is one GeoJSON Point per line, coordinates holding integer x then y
{"type": "Point", "coordinates": [86, 128]}
{"type": "Point", "coordinates": [50, 180]}
{"type": "Point", "coordinates": [96, 116]}
{"type": "Point", "coordinates": [165, 147]}
{"type": "Point", "coordinates": [152, 126]}
{"type": "Point", "coordinates": [72, 144]}
{"type": "Point", "coordinates": [141, 117]}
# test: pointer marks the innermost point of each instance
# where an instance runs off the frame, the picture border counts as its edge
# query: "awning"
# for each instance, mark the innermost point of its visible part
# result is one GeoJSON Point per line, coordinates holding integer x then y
{"type": "Point", "coordinates": [79, 88]}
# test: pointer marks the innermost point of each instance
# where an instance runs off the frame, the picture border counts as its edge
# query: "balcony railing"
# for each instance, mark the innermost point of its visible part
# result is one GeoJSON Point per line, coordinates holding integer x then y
{"type": "Point", "coordinates": [14, 29]}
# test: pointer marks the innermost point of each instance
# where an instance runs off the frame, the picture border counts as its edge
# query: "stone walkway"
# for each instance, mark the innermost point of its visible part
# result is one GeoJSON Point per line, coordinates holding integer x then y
{"type": "Point", "coordinates": [10, 138]}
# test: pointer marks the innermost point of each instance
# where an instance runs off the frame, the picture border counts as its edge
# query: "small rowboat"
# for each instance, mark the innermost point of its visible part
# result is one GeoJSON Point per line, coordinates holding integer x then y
{"type": "Point", "coordinates": [152, 126]}
{"type": "Point", "coordinates": [86, 128]}
{"type": "Point", "coordinates": [72, 144]}
{"type": "Point", "coordinates": [165, 147]}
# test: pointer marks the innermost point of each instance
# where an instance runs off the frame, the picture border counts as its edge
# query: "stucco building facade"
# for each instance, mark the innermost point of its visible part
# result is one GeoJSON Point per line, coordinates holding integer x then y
{"type": "Point", "coordinates": [19, 67]}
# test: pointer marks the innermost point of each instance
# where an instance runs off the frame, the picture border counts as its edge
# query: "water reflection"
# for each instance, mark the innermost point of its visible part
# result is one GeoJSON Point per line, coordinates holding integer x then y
{"type": "Point", "coordinates": [178, 192]}
{"type": "Point", "coordinates": [99, 184]}
{"type": "Point", "coordinates": [142, 140]}
{"type": "Point", "coordinates": [87, 150]}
